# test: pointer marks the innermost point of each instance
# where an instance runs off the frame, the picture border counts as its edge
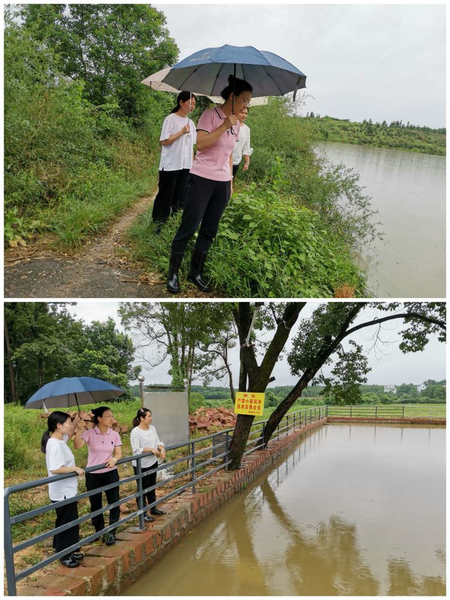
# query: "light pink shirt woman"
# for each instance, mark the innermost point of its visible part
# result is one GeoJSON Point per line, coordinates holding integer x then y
{"type": "Point", "coordinates": [210, 183]}
{"type": "Point", "coordinates": [104, 446]}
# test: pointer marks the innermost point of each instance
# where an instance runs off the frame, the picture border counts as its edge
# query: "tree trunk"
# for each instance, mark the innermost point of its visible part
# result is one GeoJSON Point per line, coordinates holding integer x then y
{"type": "Point", "coordinates": [239, 441]}
{"type": "Point", "coordinates": [258, 377]}
{"type": "Point", "coordinates": [12, 375]}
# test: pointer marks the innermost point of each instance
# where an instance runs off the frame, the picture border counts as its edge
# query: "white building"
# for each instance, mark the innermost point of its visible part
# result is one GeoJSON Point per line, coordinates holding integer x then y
{"type": "Point", "coordinates": [390, 389]}
{"type": "Point", "coordinates": [421, 387]}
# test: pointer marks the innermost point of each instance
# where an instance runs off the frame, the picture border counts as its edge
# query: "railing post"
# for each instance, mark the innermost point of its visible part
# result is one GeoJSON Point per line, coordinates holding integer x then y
{"type": "Point", "coordinates": [351, 411]}
{"type": "Point", "coordinates": [376, 411]}
{"type": "Point", "coordinates": [287, 425]}
{"type": "Point", "coordinates": [140, 497]}
{"type": "Point", "coordinates": [193, 466]}
{"type": "Point", "coordinates": [403, 412]}
{"type": "Point", "coordinates": [226, 450]}
{"type": "Point", "coordinates": [9, 557]}
{"type": "Point", "coordinates": [278, 432]}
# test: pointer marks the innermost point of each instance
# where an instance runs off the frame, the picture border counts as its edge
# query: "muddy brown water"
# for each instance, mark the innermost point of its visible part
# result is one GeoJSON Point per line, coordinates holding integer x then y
{"type": "Point", "coordinates": [408, 191]}
{"type": "Point", "coordinates": [354, 510]}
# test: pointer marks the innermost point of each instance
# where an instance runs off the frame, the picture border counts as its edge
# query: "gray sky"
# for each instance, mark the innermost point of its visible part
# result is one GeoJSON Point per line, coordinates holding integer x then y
{"type": "Point", "coordinates": [388, 367]}
{"type": "Point", "coordinates": [384, 62]}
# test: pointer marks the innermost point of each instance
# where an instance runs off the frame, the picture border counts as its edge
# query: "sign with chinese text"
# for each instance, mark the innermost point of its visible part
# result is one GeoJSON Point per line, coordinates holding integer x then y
{"type": "Point", "coordinates": [249, 403]}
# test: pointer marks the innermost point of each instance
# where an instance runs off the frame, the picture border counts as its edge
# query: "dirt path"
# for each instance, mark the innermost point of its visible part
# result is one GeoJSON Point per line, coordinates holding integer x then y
{"type": "Point", "coordinates": [102, 269]}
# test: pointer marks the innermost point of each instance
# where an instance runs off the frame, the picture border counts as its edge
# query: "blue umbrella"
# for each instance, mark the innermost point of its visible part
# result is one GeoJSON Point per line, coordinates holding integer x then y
{"type": "Point", "coordinates": [207, 71]}
{"type": "Point", "coordinates": [73, 391]}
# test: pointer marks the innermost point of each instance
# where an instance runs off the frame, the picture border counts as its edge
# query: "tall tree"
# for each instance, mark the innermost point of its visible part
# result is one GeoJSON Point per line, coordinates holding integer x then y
{"type": "Point", "coordinates": [108, 47]}
{"type": "Point", "coordinates": [318, 338]}
{"type": "Point", "coordinates": [179, 330]}
{"type": "Point", "coordinates": [46, 343]}
{"type": "Point", "coordinates": [254, 377]}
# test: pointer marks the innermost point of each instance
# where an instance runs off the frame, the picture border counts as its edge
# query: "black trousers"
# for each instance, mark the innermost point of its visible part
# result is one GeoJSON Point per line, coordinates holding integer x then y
{"type": "Point", "coordinates": [95, 480]}
{"type": "Point", "coordinates": [171, 194]}
{"type": "Point", "coordinates": [205, 202]}
{"type": "Point", "coordinates": [235, 169]}
{"type": "Point", "coordinates": [71, 535]}
{"type": "Point", "coordinates": [147, 481]}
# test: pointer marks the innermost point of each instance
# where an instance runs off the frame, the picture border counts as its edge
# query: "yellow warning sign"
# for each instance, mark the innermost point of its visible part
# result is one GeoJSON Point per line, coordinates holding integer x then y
{"type": "Point", "coordinates": [249, 403]}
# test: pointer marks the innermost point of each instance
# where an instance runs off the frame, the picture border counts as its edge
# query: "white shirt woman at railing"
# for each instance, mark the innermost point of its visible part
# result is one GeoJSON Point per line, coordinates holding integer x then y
{"type": "Point", "coordinates": [59, 459]}
{"type": "Point", "coordinates": [144, 438]}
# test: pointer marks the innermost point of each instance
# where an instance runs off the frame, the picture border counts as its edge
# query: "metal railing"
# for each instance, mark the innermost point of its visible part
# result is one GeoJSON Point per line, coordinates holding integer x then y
{"type": "Point", "coordinates": [196, 460]}
{"type": "Point", "coordinates": [403, 411]}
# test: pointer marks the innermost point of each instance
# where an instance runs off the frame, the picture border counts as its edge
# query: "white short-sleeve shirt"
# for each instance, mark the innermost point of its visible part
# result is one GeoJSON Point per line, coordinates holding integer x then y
{"type": "Point", "coordinates": [242, 145]}
{"type": "Point", "coordinates": [178, 155]}
{"type": "Point", "coordinates": [140, 439]}
{"type": "Point", "coordinates": [57, 455]}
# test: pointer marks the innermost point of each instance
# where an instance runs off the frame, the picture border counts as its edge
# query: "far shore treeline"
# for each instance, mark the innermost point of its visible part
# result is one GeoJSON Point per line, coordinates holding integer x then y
{"type": "Point", "coordinates": [396, 135]}
{"type": "Point", "coordinates": [81, 145]}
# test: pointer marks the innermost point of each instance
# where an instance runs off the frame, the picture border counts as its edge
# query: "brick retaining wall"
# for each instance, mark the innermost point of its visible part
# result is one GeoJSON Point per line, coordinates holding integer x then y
{"type": "Point", "coordinates": [107, 571]}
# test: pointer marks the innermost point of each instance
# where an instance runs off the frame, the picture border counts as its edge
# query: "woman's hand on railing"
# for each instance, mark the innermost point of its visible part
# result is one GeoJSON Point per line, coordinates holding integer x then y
{"type": "Point", "coordinates": [78, 471]}
{"type": "Point", "coordinates": [111, 462]}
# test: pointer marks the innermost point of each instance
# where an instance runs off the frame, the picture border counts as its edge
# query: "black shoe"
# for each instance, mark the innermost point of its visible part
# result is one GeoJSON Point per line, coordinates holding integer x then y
{"type": "Point", "coordinates": [157, 512]}
{"type": "Point", "coordinates": [110, 539]}
{"type": "Point", "coordinates": [70, 562]}
{"type": "Point", "coordinates": [148, 519]}
{"type": "Point", "coordinates": [77, 556]}
{"type": "Point", "coordinates": [173, 284]}
{"type": "Point", "coordinates": [195, 272]}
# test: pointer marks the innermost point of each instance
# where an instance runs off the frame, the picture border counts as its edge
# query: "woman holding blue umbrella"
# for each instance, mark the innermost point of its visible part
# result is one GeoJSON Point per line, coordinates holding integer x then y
{"type": "Point", "coordinates": [210, 182]}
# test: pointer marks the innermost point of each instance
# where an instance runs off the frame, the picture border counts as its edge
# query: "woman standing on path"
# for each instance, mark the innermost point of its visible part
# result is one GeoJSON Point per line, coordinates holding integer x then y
{"type": "Point", "coordinates": [144, 438]}
{"type": "Point", "coordinates": [242, 148]}
{"type": "Point", "coordinates": [177, 139]}
{"type": "Point", "coordinates": [59, 459]}
{"type": "Point", "coordinates": [102, 443]}
{"type": "Point", "coordinates": [209, 185]}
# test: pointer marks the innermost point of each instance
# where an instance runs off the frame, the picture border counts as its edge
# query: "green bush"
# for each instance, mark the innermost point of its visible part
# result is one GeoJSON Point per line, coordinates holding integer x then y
{"type": "Point", "coordinates": [266, 247]}
{"type": "Point", "coordinates": [70, 166]}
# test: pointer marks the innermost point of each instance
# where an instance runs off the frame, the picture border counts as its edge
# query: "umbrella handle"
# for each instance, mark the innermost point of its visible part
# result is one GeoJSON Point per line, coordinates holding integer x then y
{"type": "Point", "coordinates": [234, 88]}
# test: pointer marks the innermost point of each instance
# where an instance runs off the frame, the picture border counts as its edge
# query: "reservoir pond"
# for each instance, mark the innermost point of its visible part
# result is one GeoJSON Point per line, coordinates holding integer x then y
{"type": "Point", "coordinates": [353, 510]}
{"type": "Point", "coordinates": [408, 191]}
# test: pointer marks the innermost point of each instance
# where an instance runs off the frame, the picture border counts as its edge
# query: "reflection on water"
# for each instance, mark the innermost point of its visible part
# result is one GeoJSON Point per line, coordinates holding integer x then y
{"type": "Point", "coordinates": [408, 190]}
{"type": "Point", "coordinates": [355, 510]}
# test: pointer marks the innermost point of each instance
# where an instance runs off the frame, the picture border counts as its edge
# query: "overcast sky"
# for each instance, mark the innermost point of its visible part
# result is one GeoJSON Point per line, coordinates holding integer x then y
{"type": "Point", "coordinates": [389, 366]}
{"type": "Point", "coordinates": [384, 62]}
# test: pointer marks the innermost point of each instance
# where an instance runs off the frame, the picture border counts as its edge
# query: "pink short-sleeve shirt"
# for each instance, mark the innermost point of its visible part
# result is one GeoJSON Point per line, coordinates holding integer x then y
{"type": "Point", "coordinates": [214, 162]}
{"type": "Point", "coordinates": [101, 447]}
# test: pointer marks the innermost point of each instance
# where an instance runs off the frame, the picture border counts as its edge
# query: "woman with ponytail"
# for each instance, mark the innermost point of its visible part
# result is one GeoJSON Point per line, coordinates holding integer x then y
{"type": "Point", "coordinates": [210, 182]}
{"type": "Point", "coordinates": [177, 141]}
{"type": "Point", "coordinates": [59, 459]}
{"type": "Point", "coordinates": [144, 438]}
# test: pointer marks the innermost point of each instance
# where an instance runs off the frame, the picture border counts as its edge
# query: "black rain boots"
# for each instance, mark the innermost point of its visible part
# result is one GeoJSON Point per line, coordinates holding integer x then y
{"type": "Point", "coordinates": [173, 284]}
{"type": "Point", "coordinates": [195, 272]}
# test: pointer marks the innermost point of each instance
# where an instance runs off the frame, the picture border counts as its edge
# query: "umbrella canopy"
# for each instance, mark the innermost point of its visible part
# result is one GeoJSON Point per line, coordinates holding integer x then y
{"type": "Point", "coordinates": [155, 82]}
{"type": "Point", "coordinates": [73, 391]}
{"type": "Point", "coordinates": [207, 71]}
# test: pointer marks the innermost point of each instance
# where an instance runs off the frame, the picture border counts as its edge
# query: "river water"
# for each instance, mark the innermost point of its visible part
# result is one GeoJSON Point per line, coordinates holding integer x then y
{"type": "Point", "coordinates": [354, 510]}
{"type": "Point", "coordinates": [408, 190]}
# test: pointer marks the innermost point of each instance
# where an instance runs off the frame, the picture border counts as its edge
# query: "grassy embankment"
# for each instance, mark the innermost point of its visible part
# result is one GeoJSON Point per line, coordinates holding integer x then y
{"type": "Point", "coordinates": [414, 139]}
{"type": "Point", "coordinates": [71, 167]}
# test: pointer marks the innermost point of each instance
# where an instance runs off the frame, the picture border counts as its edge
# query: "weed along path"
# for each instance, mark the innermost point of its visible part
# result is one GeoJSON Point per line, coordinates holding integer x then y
{"type": "Point", "coordinates": [102, 269]}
